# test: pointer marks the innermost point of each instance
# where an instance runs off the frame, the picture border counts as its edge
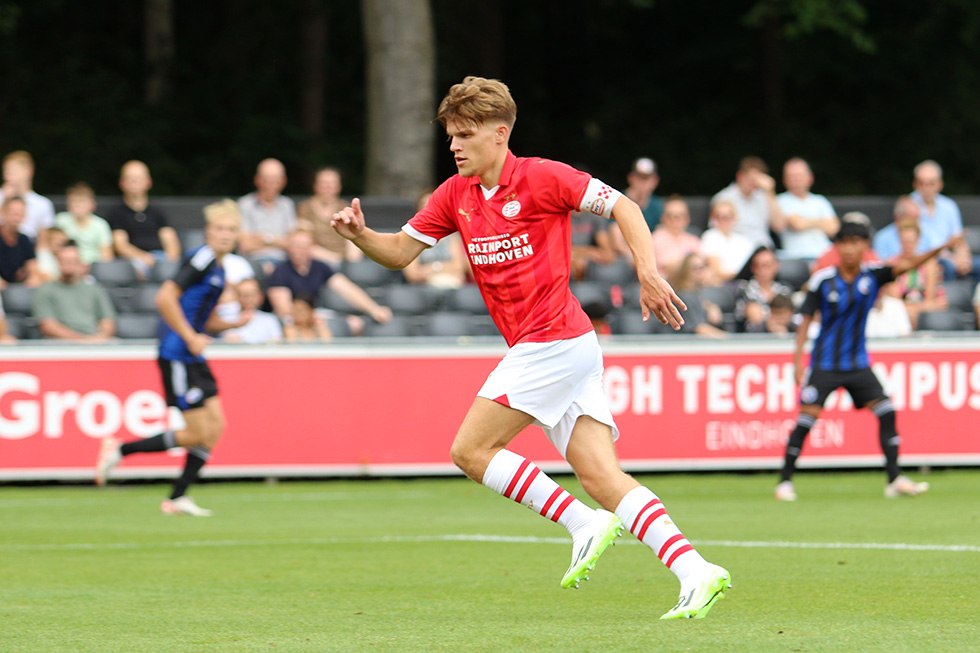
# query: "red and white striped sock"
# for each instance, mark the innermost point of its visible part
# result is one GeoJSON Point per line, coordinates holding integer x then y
{"type": "Point", "coordinates": [645, 516]}
{"type": "Point", "coordinates": [519, 479]}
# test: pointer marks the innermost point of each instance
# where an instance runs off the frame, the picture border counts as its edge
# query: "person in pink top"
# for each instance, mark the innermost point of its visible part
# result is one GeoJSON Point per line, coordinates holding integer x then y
{"type": "Point", "coordinates": [671, 240]}
{"type": "Point", "coordinates": [513, 214]}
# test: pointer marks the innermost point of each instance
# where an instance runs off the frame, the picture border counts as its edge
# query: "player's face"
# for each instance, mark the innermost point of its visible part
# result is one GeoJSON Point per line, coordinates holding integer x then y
{"type": "Point", "coordinates": [851, 250]}
{"type": "Point", "coordinates": [222, 234]}
{"type": "Point", "coordinates": [473, 146]}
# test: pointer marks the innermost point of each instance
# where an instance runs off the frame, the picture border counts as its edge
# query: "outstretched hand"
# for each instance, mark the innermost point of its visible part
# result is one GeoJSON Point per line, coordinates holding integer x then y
{"type": "Point", "coordinates": [658, 298]}
{"type": "Point", "coordinates": [349, 222]}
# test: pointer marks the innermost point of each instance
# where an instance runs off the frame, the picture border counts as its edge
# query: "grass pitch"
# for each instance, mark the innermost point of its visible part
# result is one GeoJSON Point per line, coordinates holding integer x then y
{"type": "Point", "coordinates": [446, 565]}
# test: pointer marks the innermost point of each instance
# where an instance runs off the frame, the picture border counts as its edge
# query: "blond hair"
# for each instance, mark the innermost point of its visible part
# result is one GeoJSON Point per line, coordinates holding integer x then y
{"type": "Point", "coordinates": [224, 209]}
{"type": "Point", "coordinates": [22, 157]}
{"type": "Point", "coordinates": [477, 100]}
{"type": "Point", "coordinates": [81, 188]}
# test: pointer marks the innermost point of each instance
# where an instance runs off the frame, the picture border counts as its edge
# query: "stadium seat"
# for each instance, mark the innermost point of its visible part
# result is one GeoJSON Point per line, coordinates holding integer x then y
{"type": "Point", "coordinates": [589, 291]}
{"type": "Point", "coordinates": [367, 273]}
{"type": "Point", "coordinates": [398, 326]}
{"type": "Point", "coordinates": [18, 299]}
{"type": "Point", "coordinates": [164, 271]}
{"type": "Point", "coordinates": [123, 298]}
{"type": "Point", "coordinates": [631, 323]}
{"type": "Point", "coordinates": [794, 272]}
{"type": "Point", "coordinates": [118, 272]}
{"type": "Point", "coordinates": [334, 302]}
{"type": "Point", "coordinates": [722, 296]}
{"type": "Point", "coordinates": [16, 326]}
{"type": "Point", "coordinates": [959, 294]}
{"type": "Point", "coordinates": [145, 299]}
{"type": "Point", "coordinates": [338, 326]}
{"type": "Point", "coordinates": [468, 299]}
{"type": "Point", "coordinates": [136, 325]}
{"type": "Point", "coordinates": [448, 324]}
{"type": "Point", "coordinates": [617, 273]}
{"type": "Point", "coordinates": [942, 321]}
{"type": "Point", "coordinates": [190, 238]}
{"type": "Point", "coordinates": [408, 299]}
{"type": "Point", "coordinates": [972, 236]}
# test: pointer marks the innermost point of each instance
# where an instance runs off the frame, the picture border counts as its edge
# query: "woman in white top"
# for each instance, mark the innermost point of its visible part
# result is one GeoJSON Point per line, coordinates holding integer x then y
{"type": "Point", "coordinates": [724, 251]}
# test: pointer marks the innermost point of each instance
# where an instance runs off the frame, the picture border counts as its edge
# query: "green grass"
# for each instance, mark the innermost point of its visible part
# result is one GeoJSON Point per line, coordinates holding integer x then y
{"type": "Point", "coordinates": [364, 565]}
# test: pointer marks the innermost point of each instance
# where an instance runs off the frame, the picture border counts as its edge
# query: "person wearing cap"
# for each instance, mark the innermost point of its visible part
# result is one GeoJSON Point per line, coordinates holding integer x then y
{"type": "Point", "coordinates": [843, 296]}
{"type": "Point", "coordinates": [643, 180]}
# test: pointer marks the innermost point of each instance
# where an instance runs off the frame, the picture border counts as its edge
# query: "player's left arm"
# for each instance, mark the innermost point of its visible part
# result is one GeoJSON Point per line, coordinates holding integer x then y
{"type": "Point", "coordinates": [905, 264]}
{"type": "Point", "coordinates": [656, 295]}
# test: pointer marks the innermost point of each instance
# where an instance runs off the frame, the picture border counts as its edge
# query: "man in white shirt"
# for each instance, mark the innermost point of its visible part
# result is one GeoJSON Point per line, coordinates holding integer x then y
{"type": "Point", "coordinates": [753, 193]}
{"type": "Point", "coordinates": [810, 219]}
{"type": "Point", "coordinates": [18, 181]}
{"type": "Point", "coordinates": [262, 327]}
{"type": "Point", "coordinates": [267, 215]}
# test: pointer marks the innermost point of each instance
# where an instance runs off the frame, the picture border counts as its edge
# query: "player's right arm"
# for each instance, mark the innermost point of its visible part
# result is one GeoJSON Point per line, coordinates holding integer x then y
{"type": "Point", "coordinates": [168, 303]}
{"type": "Point", "coordinates": [394, 251]}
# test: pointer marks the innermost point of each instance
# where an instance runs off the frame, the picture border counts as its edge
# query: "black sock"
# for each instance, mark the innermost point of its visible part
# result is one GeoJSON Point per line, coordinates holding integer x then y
{"type": "Point", "coordinates": [888, 436]}
{"type": "Point", "coordinates": [162, 442]}
{"type": "Point", "coordinates": [196, 457]}
{"type": "Point", "coordinates": [804, 423]}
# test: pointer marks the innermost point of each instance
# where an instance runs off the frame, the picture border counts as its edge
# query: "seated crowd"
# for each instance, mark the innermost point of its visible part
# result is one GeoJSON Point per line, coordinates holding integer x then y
{"type": "Point", "coordinates": [77, 276]}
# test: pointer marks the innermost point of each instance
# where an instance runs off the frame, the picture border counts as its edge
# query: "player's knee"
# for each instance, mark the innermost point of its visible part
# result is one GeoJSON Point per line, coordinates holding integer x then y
{"type": "Point", "coordinates": [468, 460]}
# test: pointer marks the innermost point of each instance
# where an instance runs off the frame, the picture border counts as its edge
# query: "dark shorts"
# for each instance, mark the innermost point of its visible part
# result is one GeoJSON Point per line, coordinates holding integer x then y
{"type": "Point", "coordinates": [187, 385]}
{"type": "Point", "coordinates": [862, 385]}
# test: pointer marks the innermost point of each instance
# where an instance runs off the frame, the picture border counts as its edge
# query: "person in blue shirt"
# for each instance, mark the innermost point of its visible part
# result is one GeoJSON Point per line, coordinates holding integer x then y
{"type": "Point", "coordinates": [186, 304]}
{"type": "Point", "coordinates": [843, 296]}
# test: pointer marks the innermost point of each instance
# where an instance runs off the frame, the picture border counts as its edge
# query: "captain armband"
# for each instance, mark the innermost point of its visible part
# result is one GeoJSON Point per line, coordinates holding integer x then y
{"type": "Point", "coordinates": [599, 198]}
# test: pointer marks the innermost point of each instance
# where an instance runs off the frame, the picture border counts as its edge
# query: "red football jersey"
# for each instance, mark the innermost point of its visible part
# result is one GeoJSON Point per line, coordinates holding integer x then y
{"type": "Point", "coordinates": [519, 242]}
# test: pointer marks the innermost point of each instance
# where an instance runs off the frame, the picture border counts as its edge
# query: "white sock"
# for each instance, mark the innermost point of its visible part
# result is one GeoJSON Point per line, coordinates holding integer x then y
{"type": "Point", "coordinates": [645, 516]}
{"type": "Point", "coordinates": [519, 479]}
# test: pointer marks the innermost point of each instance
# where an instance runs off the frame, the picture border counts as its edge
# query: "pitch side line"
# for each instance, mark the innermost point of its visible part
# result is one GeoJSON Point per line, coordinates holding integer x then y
{"type": "Point", "coordinates": [500, 539]}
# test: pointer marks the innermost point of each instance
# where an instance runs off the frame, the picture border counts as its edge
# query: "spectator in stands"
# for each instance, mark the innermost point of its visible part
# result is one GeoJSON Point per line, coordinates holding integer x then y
{"type": "Point", "coordinates": [886, 243]}
{"type": "Point", "coordinates": [702, 317]}
{"type": "Point", "coordinates": [780, 319]}
{"type": "Point", "coordinates": [809, 219]}
{"type": "Point", "coordinates": [268, 216]}
{"type": "Point", "coordinates": [888, 317]}
{"type": "Point", "coordinates": [671, 240]}
{"type": "Point", "coordinates": [939, 219]}
{"type": "Point", "coordinates": [261, 327]}
{"type": "Point", "coordinates": [74, 307]}
{"type": "Point", "coordinates": [47, 258]}
{"type": "Point", "coordinates": [444, 265]}
{"type": "Point", "coordinates": [920, 288]}
{"type": "Point", "coordinates": [756, 290]}
{"type": "Point", "coordinates": [302, 274]}
{"type": "Point", "coordinates": [5, 336]}
{"type": "Point", "coordinates": [140, 231]}
{"type": "Point", "coordinates": [18, 181]}
{"type": "Point", "coordinates": [831, 257]}
{"type": "Point", "coordinates": [642, 180]}
{"type": "Point", "coordinates": [591, 243]}
{"type": "Point", "coordinates": [754, 195]}
{"type": "Point", "coordinates": [90, 232]}
{"type": "Point", "coordinates": [723, 250]}
{"type": "Point", "coordinates": [307, 325]}
{"type": "Point", "coordinates": [18, 263]}
{"type": "Point", "coordinates": [316, 213]}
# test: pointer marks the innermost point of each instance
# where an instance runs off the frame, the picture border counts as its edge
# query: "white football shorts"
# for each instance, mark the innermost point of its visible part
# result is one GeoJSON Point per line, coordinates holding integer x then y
{"type": "Point", "coordinates": [554, 382]}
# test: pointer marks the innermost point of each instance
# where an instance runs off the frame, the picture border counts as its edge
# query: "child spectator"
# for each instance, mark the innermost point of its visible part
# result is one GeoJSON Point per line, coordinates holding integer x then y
{"type": "Point", "coordinates": [307, 325]}
{"type": "Point", "coordinates": [780, 320]}
{"type": "Point", "coordinates": [80, 224]}
{"type": "Point", "coordinates": [757, 290]}
{"type": "Point", "coordinates": [920, 288]}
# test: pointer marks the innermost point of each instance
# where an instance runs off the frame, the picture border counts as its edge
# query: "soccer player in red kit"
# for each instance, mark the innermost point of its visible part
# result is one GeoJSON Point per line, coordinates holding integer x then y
{"type": "Point", "coordinates": [514, 218]}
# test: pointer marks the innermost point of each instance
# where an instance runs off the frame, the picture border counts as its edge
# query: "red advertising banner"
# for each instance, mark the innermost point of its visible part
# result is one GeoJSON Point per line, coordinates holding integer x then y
{"type": "Point", "coordinates": [358, 409]}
